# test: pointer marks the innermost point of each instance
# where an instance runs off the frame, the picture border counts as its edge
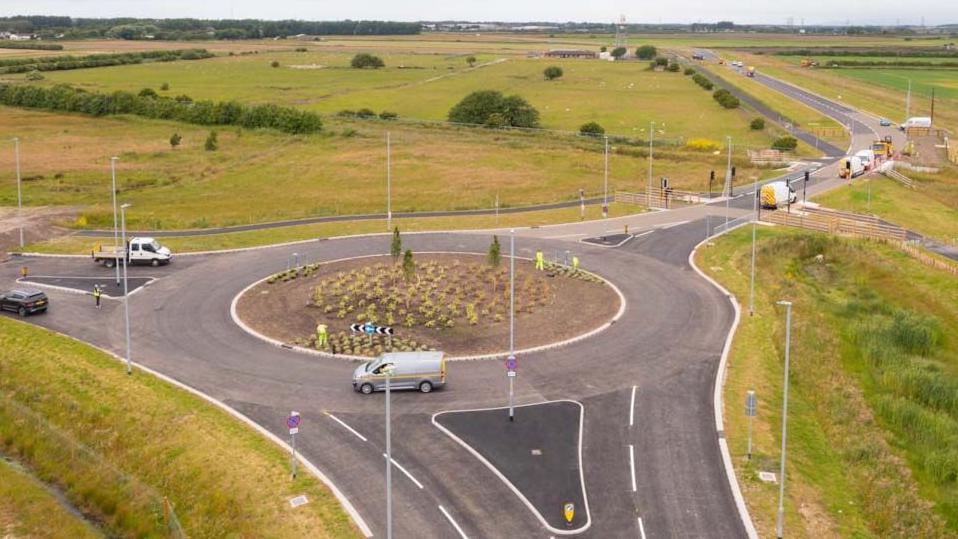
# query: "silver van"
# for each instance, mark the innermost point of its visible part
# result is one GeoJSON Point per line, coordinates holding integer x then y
{"type": "Point", "coordinates": [411, 370]}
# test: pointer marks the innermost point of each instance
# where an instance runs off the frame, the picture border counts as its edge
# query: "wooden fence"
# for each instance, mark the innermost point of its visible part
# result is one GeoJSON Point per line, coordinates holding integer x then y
{"type": "Point", "coordinates": [836, 222]}
{"type": "Point", "coordinates": [952, 150]}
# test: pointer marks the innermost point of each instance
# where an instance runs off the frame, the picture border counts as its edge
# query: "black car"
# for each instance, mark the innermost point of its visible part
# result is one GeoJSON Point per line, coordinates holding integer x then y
{"type": "Point", "coordinates": [24, 301]}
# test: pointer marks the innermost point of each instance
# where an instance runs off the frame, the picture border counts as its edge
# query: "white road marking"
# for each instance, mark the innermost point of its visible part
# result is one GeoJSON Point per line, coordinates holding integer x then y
{"type": "Point", "coordinates": [405, 471]}
{"type": "Point", "coordinates": [453, 522]}
{"type": "Point", "coordinates": [641, 529]}
{"type": "Point", "coordinates": [632, 466]}
{"type": "Point", "coordinates": [670, 225]}
{"type": "Point", "coordinates": [565, 236]}
{"type": "Point", "coordinates": [632, 408]}
{"type": "Point", "coordinates": [347, 427]}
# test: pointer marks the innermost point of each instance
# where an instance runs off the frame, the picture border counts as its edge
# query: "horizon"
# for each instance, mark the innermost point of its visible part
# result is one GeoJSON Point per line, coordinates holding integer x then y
{"type": "Point", "coordinates": [927, 13]}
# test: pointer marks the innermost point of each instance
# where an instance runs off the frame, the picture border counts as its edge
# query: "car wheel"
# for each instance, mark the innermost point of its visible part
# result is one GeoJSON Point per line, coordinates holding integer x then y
{"type": "Point", "coordinates": [366, 389]}
{"type": "Point", "coordinates": [425, 387]}
{"type": "Point", "coordinates": [154, 262]}
{"type": "Point", "coordinates": [109, 263]}
{"type": "Point", "coordinates": [22, 311]}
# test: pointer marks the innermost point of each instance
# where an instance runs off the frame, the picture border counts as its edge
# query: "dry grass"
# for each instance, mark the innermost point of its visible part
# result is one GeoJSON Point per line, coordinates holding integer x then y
{"type": "Point", "coordinates": [28, 510]}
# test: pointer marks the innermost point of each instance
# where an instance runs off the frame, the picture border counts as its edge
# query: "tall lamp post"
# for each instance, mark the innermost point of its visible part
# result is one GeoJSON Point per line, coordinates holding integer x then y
{"type": "Point", "coordinates": [126, 291]}
{"type": "Point", "coordinates": [387, 369]}
{"type": "Point", "coordinates": [389, 203]}
{"type": "Point", "coordinates": [780, 524]}
{"type": "Point", "coordinates": [116, 240]}
{"type": "Point", "coordinates": [16, 151]}
{"type": "Point", "coordinates": [648, 192]}
{"type": "Point", "coordinates": [751, 291]}
{"type": "Point", "coordinates": [512, 316]}
{"type": "Point", "coordinates": [605, 191]}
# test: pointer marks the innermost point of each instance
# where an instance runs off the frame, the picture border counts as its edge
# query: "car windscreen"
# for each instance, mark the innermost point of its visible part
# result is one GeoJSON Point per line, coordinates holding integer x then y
{"type": "Point", "coordinates": [155, 246]}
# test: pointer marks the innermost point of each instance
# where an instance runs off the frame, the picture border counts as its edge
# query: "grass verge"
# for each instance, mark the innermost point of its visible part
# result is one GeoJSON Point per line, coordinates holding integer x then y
{"type": "Point", "coordinates": [117, 445]}
{"type": "Point", "coordinates": [873, 377]}
{"type": "Point", "coordinates": [931, 210]}
{"type": "Point", "coordinates": [237, 240]}
{"type": "Point", "coordinates": [27, 509]}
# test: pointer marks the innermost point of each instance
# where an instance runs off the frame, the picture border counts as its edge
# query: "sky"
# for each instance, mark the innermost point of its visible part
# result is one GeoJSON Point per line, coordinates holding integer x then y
{"type": "Point", "coordinates": [677, 11]}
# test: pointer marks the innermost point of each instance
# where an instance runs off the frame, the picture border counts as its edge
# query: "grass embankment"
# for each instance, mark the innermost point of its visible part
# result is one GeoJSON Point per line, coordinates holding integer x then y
{"type": "Point", "coordinates": [237, 240]}
{"type": "Point", "coordinates": [873, 400]}
{"type": "Point", "coordinates": [931, 210]}
{"type": "Point", "coordinates": [27, 509]}
{"type": "Point", "coordinates": [264, 176]}
{"type": "Point", "coordinates": [116, 445]}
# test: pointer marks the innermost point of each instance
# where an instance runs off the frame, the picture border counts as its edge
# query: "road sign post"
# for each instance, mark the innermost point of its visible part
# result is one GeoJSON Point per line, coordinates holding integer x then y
{"type": "Point", "coordinates": [568, 511]}
{"type": "Point", "coordinates": [750, 413]}
{"type": "Point", "coordinates": [292, 422]}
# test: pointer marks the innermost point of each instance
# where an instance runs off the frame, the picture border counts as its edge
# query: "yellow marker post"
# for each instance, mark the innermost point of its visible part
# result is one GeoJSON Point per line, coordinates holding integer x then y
{"type": "Point", "coordinates": [569, 511]}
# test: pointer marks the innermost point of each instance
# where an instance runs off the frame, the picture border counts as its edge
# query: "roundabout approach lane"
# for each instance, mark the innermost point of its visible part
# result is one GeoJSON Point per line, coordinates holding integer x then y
{"type": "Point", "coordinates": [667, 344]}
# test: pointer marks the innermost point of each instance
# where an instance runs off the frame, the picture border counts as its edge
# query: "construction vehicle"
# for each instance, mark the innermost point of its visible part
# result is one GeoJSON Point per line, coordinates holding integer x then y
{"type": "Point", "coordinates": [137, 250]}
{"type": "Point", "coordinates": [884, 149]}
{"type": "Point", "coordinates": [750, 72]}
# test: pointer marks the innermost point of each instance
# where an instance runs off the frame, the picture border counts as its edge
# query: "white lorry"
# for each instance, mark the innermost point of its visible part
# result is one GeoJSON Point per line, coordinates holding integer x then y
{"type": "Point", "coordinates": [777, 194]}
{"type": "Point", "coordinates": [140, 251]}
{"type": "Point", "coordinates": [916, 121]}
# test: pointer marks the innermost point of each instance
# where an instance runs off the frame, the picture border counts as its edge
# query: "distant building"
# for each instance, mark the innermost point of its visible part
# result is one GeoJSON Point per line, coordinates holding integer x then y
{"type": "Point", "coordinates": [571, 53]}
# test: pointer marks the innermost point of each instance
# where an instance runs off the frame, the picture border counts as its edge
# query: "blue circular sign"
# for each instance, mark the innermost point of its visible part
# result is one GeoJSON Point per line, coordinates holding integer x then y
{"type": "Point", "coordinates": [293, 421]}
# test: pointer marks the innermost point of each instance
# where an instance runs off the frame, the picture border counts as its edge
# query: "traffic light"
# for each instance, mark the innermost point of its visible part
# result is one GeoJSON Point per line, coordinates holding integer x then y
{"type": "Point", "coordinates": [712, 176]}
{"type": "Point", "coordinates": [806, 176]}
{"type": "Point", "coordinates": [733, 172]}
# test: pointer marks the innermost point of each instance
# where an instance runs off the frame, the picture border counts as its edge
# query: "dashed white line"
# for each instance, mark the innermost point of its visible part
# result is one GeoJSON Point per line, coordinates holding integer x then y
{"type": "Point", "coordinates": [632, 408]}
{"type": "Point", "coordinates": [453, 522]}
{"type": "Point", "coordinates": [405, 471]}
{"type": "Point", "coordinates": [641, 529]}
{"type": "Point", "coordinates": [632, 466]}
{"type": "Point", "coordinates": [345, 426]}
{"type": "Point", "coordinates": [670, 225]}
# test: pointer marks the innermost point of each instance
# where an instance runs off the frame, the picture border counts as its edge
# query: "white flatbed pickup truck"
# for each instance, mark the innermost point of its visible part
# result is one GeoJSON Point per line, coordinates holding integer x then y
{"type": "Point", "coordinates": [138, 251]}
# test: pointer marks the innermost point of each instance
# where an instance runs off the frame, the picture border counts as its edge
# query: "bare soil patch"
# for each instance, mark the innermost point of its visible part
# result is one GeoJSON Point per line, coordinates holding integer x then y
{"type": "Point", "coordinates": [552, 305]}
{"type": "Point", "coordinates": [39, 224]}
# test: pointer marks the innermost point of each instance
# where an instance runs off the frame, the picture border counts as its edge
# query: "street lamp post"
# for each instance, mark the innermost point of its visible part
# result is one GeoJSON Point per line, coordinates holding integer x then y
{"type": "Point", "coordinates": [126, 292]}
{"type": "Point", "coordinates": [512, 315]}
{"type": "Point", "coordinates": [780, 524]}
{"type": "Point", "coordinates": [648, 191]}
{"type": "Point", "coordinates": [387, 369]}
{"type": "Point", "coordinates": [116, 240]}
{"type": "Point", "coordinates": [605, 192]}
{"type": "Point", "coordinates": [389, 206]}
{"type": "Point", "coordinates": [751, 292]}
{"type": "Point", "coordinates": [16, 151]}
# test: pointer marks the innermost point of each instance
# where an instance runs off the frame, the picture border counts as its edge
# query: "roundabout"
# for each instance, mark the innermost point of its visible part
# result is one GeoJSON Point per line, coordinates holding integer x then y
{"type": "Point", "coordinates": [458, 303]}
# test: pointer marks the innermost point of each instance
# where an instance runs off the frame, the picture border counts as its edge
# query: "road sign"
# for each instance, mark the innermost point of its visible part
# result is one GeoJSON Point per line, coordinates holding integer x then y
{"type": "Point", "coordinates": [568, 510]}
{"type": "Point", "coordinates": [293, 422]}
{"type": "Point", "coordinates": [512, 363]}
{"type": "Point", "coordinates": [511, 374]}
{"type": "Point", "coordinates": [371, 329]}
{"type": "Point", "coordinates": [750, 404]}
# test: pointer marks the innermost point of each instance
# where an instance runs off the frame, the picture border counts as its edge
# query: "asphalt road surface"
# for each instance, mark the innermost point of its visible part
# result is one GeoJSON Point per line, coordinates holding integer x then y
{"type": "Point", "coordinates": [650, 449]}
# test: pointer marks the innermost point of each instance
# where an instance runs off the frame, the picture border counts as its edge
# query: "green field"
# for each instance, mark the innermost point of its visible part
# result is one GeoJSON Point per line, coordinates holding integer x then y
{"type": "Point", "coordinates": [624, 97]}
{"type": "Point", "coordinates": [116, 445]}
{"type": "Point", "coordinates": [259, 176]}
{"type": "Point", "coordinates": [874, 382]}
{"type": "Point", "coordinates": [931, 210]}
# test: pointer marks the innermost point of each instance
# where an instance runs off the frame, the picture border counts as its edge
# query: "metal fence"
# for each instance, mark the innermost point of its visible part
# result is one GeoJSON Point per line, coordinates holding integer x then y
{"type": "Point", "coordinates": [660, 198]}
{"type": "Point", "coordinates": [715, 225]}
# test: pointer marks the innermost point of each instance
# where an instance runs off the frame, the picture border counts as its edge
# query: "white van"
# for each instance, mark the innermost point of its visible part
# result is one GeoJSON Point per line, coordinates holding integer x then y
{"type": "Point", "coordinates": [850, 167]}
{"type": "Point", "coordinates": [424, 371]}
{"type": "Point", "coordinates": [777, 194]}
{"type": "Point", "coordinates": [867, 158]}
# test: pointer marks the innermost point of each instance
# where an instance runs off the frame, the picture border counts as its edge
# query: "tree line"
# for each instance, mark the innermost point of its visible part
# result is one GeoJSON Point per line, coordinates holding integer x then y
{"type": "Point", "coordinates": [64, 98]}
{"type": "Point", "coordinates": [62, 63]}
{"type": "Point", "coordinates": [184, 29]}
{"type": "Point", "coordinates": [30, 45]}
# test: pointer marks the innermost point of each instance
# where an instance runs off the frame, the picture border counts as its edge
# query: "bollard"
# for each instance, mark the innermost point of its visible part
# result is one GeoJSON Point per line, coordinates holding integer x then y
{"type": "Point", "coordinates": [626, 230]}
